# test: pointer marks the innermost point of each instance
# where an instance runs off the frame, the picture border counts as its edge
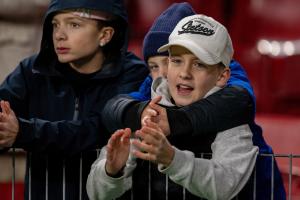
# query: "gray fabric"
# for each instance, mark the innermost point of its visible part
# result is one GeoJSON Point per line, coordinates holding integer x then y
{"type": "Point", "coordinates": [225, 174]}
{"type": "Point", "coordinates": [160, 88]}
{"type": "Point", "coordinates": [221, 177]}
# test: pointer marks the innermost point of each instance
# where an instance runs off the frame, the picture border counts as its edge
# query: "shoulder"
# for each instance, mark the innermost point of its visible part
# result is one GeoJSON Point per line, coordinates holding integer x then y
{"type": "Point", "coordinates": [28, 62]}
{"type": "Point", "coordinates": [133, 68]}
{"type": "Point", "coordinates": [132, 62]}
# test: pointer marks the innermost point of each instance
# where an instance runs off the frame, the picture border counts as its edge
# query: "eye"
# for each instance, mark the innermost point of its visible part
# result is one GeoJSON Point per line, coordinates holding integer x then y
{"type": "Point", "coordinates": [153, 68]}
{"type": "Point", "coordinates": [74, 25]}
{"type": "Point", "coordinates": [54, 24]}
{"type": "Point", "coordinates": [199, 65]}
{"type": "Point", "coordinates": [175, 60]}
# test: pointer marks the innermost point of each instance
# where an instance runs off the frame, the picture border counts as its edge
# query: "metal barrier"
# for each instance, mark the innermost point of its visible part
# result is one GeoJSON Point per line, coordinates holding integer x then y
{"type": "Point", "coordinates": [286, 162]}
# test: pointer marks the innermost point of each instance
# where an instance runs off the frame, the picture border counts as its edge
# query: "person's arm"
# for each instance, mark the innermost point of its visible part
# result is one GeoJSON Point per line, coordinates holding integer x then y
{"type": "Point", "coordinates": [225, 174]}
{"type": "Point", "coordinates": [124, 110]}
{"type": "Point", "coordinates": [227, 108]}
{"type": "Point", "coordinates": [69, 137]}
{"type": "Point", "coordinates": [144, 92]}
{"type": "Point", "coordinates": [232, 106]}
{"type": "Point", "coordinates": [101, 186]}
{"type": "Point", "coordinates": [64, 136]}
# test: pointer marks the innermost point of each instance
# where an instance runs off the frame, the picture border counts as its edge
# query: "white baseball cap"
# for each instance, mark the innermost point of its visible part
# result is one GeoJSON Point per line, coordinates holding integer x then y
{"type": "Point", "coordinates": [203, 36]}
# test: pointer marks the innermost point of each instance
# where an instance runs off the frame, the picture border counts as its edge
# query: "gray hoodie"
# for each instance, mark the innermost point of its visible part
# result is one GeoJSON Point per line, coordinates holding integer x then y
{"type": "Point", "coordinates": [221, 177]}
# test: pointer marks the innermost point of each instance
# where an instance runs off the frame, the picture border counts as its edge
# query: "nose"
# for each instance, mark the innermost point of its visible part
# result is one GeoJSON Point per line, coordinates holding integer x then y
{"type": "Point", "coordinates": [163, 71]}
{"type": "Point", "coordinates": [185, 71]}
{"type": "Point", "coordinates": [59, 33]}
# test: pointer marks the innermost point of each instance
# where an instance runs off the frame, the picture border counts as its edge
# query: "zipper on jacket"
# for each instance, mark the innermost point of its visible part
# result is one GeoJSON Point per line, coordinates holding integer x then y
{"type": "Point", "coordinates": [76, 110]}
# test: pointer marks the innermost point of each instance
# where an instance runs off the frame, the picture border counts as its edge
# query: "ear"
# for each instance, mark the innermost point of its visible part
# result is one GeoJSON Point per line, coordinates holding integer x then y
{"type": "Point", "coordinates": [105, 35]}
{"type": "Point", "coordinates": [223, 77]}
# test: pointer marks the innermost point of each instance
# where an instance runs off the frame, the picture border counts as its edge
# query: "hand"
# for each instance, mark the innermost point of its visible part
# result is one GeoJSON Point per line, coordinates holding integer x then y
{"type": "Point", "coordinates": [156, 114]}
{"type": "Point", "coordinates": [118, 148]}
{"type": "Point", "coordinates": [153, 145]}
{"type": "Point", "coordinates": [9, 125]}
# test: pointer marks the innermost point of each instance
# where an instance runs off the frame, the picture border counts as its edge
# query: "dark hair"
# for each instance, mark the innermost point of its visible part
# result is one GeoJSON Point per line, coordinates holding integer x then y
{"type": "Point", "coordinates": [114, 47]}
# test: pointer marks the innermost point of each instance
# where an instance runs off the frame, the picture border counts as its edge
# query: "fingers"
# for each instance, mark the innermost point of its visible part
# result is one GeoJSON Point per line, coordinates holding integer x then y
{"type": "Point", "coordinates": [5, 106]}
{"type": "Point", "coordinates": [126, 136]}
{"type": "Point", "coordinates": [154, 105]}
{"type": "Point", "coordinates": [155, 100]}
{"type": "Point", "coordinates": [145, 156]}
{"type": "Point", "coordinates": [150, 115]}
{"type": "Point", "coordinates": [149, 134]}
{"type": "Point", "coordinates": [1, 117]}
{"type": "Point", "coordinates": [118, 137]}
{"type": "Point", "coordinates": [144, 151]}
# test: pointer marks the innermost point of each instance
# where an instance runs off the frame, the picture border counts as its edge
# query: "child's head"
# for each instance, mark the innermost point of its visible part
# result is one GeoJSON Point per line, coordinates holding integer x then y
{"type": "Point", "coordinates": [200, 51]}
{"type": "Point", "coordinates": [79, 35]}
{"type": "Point", "coordinates": [158, 35]}
{"type": "Point", "coordinates": [100, 25]}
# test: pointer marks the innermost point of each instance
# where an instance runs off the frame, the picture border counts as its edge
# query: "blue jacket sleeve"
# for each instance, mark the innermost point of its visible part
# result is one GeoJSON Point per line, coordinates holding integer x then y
{"type": "Point", "coordinates": [239, 78]}
{"type": "Point", "coordinates": [144, 92]}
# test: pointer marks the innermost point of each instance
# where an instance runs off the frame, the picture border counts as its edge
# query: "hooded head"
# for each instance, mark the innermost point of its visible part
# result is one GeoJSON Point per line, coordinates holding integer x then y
{"type": "Point", "coordinates": [163, 26]}
{"type": "Point", "coordinates": [111, 12]}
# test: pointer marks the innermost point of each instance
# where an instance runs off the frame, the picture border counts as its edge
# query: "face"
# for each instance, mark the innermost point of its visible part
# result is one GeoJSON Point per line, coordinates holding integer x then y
{"type": "Point", "coordinates": [76, 41]}
{"type": "Point", "coordinates": [189, 78]}
{"type": "Point", "coordinates": [158, 66]}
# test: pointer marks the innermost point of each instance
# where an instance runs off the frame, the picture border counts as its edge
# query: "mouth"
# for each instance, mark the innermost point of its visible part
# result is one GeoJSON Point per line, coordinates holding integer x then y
{"type": "Point", "coordinates": [183, 89]}
{"type": "Point", "coordinates": [62, 50]}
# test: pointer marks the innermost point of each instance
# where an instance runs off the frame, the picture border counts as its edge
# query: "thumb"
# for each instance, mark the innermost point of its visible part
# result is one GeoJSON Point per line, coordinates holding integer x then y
{"type": "Point", "coordinates": [155, 100]}
{"type": "Point", "coordinates": [154, 104]}
{"type": "Point", "coordinates": [5, 107]}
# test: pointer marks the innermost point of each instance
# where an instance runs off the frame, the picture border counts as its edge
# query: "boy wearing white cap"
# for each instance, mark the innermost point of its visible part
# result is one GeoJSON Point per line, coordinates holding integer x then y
{"type": "Point", "coordinates": [200, 51]}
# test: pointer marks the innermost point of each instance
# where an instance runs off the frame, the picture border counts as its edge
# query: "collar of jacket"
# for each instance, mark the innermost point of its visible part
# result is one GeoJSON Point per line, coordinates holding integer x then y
{"type": "Point", "coordinates": [109, 69]}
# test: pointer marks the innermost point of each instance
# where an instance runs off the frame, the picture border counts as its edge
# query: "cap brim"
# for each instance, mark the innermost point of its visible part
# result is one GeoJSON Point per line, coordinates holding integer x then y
{"type": "Point", "coordinates": [198, 51]}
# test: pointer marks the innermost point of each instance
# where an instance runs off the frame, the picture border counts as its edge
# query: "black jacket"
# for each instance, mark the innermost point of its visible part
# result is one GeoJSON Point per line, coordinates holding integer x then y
{"type": "Point", "coordinates": [59, 110]}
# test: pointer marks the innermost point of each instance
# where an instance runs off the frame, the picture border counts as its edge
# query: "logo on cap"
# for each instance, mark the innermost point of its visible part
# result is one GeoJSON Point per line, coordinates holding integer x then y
{"type": "Point", "coordinates": [196, 26]}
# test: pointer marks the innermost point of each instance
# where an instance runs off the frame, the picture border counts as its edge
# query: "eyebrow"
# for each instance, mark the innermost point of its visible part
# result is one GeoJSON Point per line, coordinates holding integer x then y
{"type": "Point", "coordinates": [70, 18]}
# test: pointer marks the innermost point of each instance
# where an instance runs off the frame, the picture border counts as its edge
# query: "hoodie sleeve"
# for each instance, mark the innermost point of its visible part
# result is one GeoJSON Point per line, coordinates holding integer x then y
{"type": "Point", "coordinates": [44, 135]}
{"type": "Point", "coordinates": [35, 134]}
{"type": "Point", "coordinates": [225, 174]}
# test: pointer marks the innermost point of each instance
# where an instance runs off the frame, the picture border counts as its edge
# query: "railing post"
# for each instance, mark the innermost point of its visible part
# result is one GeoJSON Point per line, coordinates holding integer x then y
{"type": "Point", "coordinates": [13, 174]}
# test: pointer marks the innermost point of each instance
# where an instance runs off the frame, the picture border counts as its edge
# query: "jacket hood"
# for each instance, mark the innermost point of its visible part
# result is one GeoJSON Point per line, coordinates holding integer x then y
{"type": "Point", "coordinates": [46, 57]}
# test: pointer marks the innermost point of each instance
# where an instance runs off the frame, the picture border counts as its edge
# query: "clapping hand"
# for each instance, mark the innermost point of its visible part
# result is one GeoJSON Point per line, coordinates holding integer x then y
{"type": "Point", "coordinates": [9, 125]}
{"type": "Point", "coordinates": [153, 145]}
{"type": "Point", "coordinates": [118, 149]}
{"type": "Point", "coordinates": [156, 114]}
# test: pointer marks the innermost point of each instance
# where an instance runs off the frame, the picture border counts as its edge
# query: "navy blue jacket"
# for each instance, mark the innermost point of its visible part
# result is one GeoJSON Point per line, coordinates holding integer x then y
{"type": "Point", "coordinates": [59, 110]}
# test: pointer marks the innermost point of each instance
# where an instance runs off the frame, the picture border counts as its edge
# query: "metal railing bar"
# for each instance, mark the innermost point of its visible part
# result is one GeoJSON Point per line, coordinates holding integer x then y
{"type": "Point", "coordinates": [80, 177]}
{"type": "Point", "coordinates": [149, 180]}
{"type": "Point", "coordinates": [290, 175]}
{"type": "Point", "coordinates": [13, 174]}
{"type": "Point", "coordinates": [47, 179]}
{"type": "Point", "coordinates": [64, 180]}
{"type": "Point", "coordinates": [272, 178]}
